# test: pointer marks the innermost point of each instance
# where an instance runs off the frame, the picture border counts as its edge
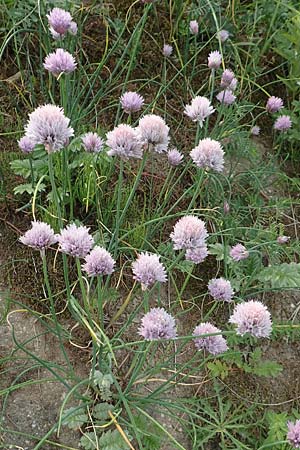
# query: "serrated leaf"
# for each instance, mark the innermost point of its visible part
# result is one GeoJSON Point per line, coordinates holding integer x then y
{"type": "Point", "coordinates": [286, 275]}
{"type": "Point", "coordinates": [101, 411]}
{"type": "Point", "coordinates": [218, 369]}
{"type": "Point", "coordinates": [27, 187]}
{"type": "Point", "coordinates": [89, 441]}
{"type": "Point", "coordinates": [267, 369]}
{"type": "Point", "coordinates": [74, 418]}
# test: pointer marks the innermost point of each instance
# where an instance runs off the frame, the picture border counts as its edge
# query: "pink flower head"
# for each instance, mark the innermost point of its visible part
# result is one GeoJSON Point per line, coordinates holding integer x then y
{"type": "Point", "coordinates": [73, 28]}
{"type": "Point", "coordinates": [25, 144]}
{"type": "Point", "coordinates": [213, 344]}
{"type": "Point", "coordinates": [75, 240]}
{"type": "Point", "coordinates": [92, 143]}
{"type": "Point", "coordinates": [255, 130]}
{"type": "Point", "coordinates": [208, 155]}
{"type": "Point", "coordinates": [131, 102]}
{"type": "Point", "coordinates": [227, 78]}
{"type": "Point", "coordinates": [214, 60]}
{"type": "Point", "coordinates": [40, 236]}
{"type": "Point", "coordinates": [59, 21]}
{"type": "Point", "coordinates": [124, 142]}
{"type": "Point", "coordinates": [226, 97]}
{"type": "Point", "coordinates": [283, 123]}
{"type": "Point", "coordinates": [238, 252]}
{"type": "Point", "coordinates": [293, 435]}
{"type": "Point", "coordinates": [167, 50]}
{"type": "Point", "coordinates": [252, 317]}
{"type": "Point", "coordinates": [199, 109]}
{"type": "Point", "coordinates": [49, 126]}
{"type": "Point", "coordinates": [60, 62]}
{"type": "Point", "coordinates": [147, 269]}
{"type": "Point", "coordinates": [220, 289]}
{"type": "Point", "coordinates": [274, 104]}
{"type": "Point", "coordinates": [223, 35]}
{"type": "Point", "coordinates": [154, 133]}
{"type": "Point", "coordinates": [174, 157]}
{"type": "Point", "coordinates": [283, 239]}
{"type": "Point", "coordinates": [194, 27]}
{"type": "Point", "coordinates": [197, 255]}
{"type": "Point", "coordinates": [226, 207]}
{"type": "Point", "coordinates": [99, 262]}
{"type": "Point", "coordinates": [157, 324]}
{"type": "Point", "coordinates": [189, 233]}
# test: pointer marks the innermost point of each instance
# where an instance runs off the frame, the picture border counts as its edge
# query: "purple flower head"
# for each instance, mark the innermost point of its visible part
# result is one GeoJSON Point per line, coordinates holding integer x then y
{"type": "Point", "coordinates": [75, 240]}
{"type": "Point", "coordinates": [157, 324]}
{"type": "Point", "coordinates": [124, 142]}
{"type": "Point", "coordinates": [252, 317]}
{"type": "Point", "coordinates": [49, 126]}
{"type": "Point", "coordinates": [213, 344]}
{"type": "Point", "coordinates": [223, 35]}
{"type": "Point", "coordinates": [220, 289]}
{"type": "Point", "coordinates": [59, 21]}
{"type": "Point", "coordinates": [227, 78]}
{"type": "Point", "coordinates": [255, 130]}
{"type": "Point", "coordinates": [226, 207]}
{"type": "Point", "coordinates": [73, 28]}
{"type": "Point", "coordinates": [283, 123]}
{"type": "Point", "coordinates": [283, 239]}
{"type": "Point", "coordinates": [208, 155]}
{"type": "Point", "coordinates": [274, 104]}
{"type": "Point", "coordinates": [197, 255]}
{"type": "Point", "coordinates": [40, 236]}
{"type": "Point", "coordinates": [147, 269]}
{"type": "Point", "coordinates": [194, 27]}
{"type": "Point", "coordinates": [25, 144]}
{"type": "Point", "coordinates": [214, 60]}
{"type": "Point", "coordinates": [167, 50]}
{"type": "Point", "coordinates": [189, 233]}
{"type": "Point", "coordinates": [92, 143]}
{"type": "Point", "coordinates": [60, 62]}
{"type": "Point", "coordinates": [99, 262]}
{"type": "Point", "coordinates": [226, 97]}
{"type": "Point", "coordinates": [293, 435]}
{"type": "Point", "coordinates": [199, 109]}
{"type": "Point", "coordinates": [174, 157]}
{"type": "Point", "coordinates": [238, 252]}
{"type": "Point", "coordinates": [131, 102]}
{"type": "Point", "coordinates": [154, 133]}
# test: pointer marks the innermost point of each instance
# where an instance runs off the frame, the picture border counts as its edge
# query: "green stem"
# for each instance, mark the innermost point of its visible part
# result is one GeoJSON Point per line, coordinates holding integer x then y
{"type": "Point", "coordinates": [83, 291]}
{"type": "Point", "coordinates": [100, 301]}
{"type": "Point", "coordinates": [119, 197]}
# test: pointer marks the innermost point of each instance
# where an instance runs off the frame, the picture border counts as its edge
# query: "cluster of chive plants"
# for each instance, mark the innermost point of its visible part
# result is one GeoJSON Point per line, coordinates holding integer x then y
{"type": "Point", "coordinates": [48, 126]}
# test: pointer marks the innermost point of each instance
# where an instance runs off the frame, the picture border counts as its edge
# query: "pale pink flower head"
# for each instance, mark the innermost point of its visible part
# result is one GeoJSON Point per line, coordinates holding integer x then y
{"type": "Point", "coordinates": [75, 240]}
{"type": "Point", "coordinates": [226, 207]}
{"type": "Point", "coordinates": [238, 252]}
{"type": "Point", "coordinates": [99, 262]}
{"type": "Point", "coordinates": [220, 289]}
{"type": "Point", "coordinates": [157, 324]}
{"type": "Point", "coordinates": [255, 130]}
{"type": "Point", "coordinates": [199, 109]}
{"type": "Point", "coordinates": [154, 133]}
{"type": "Point", "coordinates": [283, 123]}
{"type": "Point", "coordinates": [59, 21]}
{"type": "Point", "coordinates": [194, 27]}
{"type": "Point", "coordinates": [40, 236]}
{"type": "Point", "coordinates": [131, 102]}
{"type": "Point", "coordinates": [92, 143]}
{"type": "Point", "coordinates": [293, 434]}
{"type": "Point", "coordinates": [147, 269]}
{"type": "Point", "coordinates": [189, 232]}
{"type": "Point", "coordinates": [208, 155]}
{"type": "Point", "coordinates": [226, 97]}
{"type": "Point", "coordinates": [197, 255]}
{"type": "Point", "coordinates": [274, 104]}
{"type": "Point", "coordinates": [49, 126]}
{"type": "Point", "coordinates": [73, 28]}
{"type": "Point", "coordinates": [252, 317]}
{"type": "Point", "coordinates": [214, 60]}
{"type": "Point", "coordinates": [283, 239]}
{"type": "Point", "coordinates": [174, 157]}
{"type": "Point", "coordinates": [213, 344]}
{"type": "Point", "coordinates": [223, 35]}
{"type": "Point", "coordinates": [60, 62]}
{"type": "Point", "coordinates": [25, 144]}
{"type": "Point", "coordinates": [124, 142]}
{"type": "Point", "coordinates": [227, 78]}
{"type": "Point", "coordinates": [167, 50]}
